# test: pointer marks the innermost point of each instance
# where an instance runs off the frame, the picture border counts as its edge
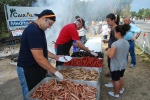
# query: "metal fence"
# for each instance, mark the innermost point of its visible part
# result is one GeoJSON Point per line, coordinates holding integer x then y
{"type": "Point", "coordinates": [143, 41]}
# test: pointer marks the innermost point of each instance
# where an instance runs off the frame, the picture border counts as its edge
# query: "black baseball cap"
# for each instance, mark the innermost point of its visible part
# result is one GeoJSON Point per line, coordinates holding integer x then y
{"type": "Point", "coordinates": [77, 17]}
{"type": "Point", "coordinates": [48, 14]}
{"type": "Point", "coordinates": [81, 21]}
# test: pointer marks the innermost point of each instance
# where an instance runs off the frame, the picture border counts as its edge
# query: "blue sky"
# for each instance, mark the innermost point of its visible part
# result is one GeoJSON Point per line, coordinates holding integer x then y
{"type": "Point", "coordinates": [139, 4]}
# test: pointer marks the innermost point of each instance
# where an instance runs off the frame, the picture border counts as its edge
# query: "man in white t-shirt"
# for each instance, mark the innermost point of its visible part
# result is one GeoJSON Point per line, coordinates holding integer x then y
{"type": "Point", "coordinates": [133, 20]}
{"type": "Point", "coordinates": [82, 32]}
{"type": "Point", "coordinates": [82, 35]}
{"type": "Point", "coordinates": [105, 30]}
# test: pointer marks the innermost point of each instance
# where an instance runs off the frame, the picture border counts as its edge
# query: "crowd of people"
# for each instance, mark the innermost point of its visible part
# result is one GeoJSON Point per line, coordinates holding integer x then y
{"type": "Point", "coordinates": [120, 43]}
{"type": "Point", "coordinates": [33, 62]}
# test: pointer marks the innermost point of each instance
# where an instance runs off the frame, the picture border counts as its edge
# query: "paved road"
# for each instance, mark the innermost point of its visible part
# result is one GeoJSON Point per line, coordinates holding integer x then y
{"type": "Point", "coordinates": [143, 25]}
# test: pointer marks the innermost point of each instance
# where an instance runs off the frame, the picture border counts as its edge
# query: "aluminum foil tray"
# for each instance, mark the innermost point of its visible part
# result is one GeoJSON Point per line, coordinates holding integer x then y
{"type": "Point", "coordinates": [93, 84]}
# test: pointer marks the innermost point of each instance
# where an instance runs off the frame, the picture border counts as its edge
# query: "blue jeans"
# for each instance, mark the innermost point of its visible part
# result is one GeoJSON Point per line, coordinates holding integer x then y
{"type": "Point", "coordinates": [23, 82]}
{"type": "Point", "coordinates": [105, 36]}
{"type": "Point", "coordinates": [132, 52]}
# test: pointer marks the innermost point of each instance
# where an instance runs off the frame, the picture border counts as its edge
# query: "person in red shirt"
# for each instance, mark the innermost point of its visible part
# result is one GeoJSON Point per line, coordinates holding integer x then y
{"type": "Point", "coordinates": [66, 37]}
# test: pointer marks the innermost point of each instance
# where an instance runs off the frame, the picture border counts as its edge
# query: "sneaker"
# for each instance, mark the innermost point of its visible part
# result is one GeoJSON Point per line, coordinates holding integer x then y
{"type": "Point", "coordinates": [121, 91]}
{"type": "Point", "coordinates": [132, 65]}
{"type": "Point", "coordinates": [113, 95]}
{"type": "Point", "coordinates": [109, 85]}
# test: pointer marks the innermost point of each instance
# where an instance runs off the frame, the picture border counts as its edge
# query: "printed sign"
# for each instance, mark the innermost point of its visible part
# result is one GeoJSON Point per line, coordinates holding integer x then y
{"type": "Point", "coordinates": [23, 12]}
{"type": "Point", "coordinates": [18, 24]}
{"type": "Point", "coordinates": [19, 17]}
{"type": "Point", "coordinates": [17, 32]}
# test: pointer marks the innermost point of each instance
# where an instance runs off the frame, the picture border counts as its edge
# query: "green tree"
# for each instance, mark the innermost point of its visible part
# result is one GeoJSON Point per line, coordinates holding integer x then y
{"type": "Point", "coordinates": [143, 13]}
{"type": "Point", "coordinates": [140, 13]}
{"type": "Point", "coordinates": [3, 24]}
{"type": "Point", "coordinates": [126, 11]}
{"type": "Point", "coordinates": [99, 9]}
{"type": "Point", "coordinates": [124, 7]}
{"type": "Point", "coordinates": [146, 13]}
{"type": "Point", "coordinates": [133, 13]}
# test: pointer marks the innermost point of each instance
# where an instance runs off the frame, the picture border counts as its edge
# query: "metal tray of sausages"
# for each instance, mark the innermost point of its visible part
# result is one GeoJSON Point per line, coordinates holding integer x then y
{"type": "Point", "coordinates": [100, 69]}
{"type": "Point", "coordinates": [89, 83]}
{"type": "Point", "coordinates": [86, 68]}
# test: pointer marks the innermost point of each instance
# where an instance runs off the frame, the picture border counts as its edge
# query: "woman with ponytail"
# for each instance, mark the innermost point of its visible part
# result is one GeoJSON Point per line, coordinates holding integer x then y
{"type": "Point", "coordinates": [118, 55]}
{"type": "Point", "coordinates": [112, 21]}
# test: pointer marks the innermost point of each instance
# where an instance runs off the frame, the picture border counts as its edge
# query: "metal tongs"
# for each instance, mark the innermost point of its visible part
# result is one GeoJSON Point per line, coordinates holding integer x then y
{"type": "Point", "coordinates": [65, 58]}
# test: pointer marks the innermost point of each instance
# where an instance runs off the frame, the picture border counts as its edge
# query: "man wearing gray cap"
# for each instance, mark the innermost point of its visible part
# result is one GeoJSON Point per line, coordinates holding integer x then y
{"type": "Point", "coordinates": [67, 35]}
{"type": "Point", "coordinates": [33, 62]}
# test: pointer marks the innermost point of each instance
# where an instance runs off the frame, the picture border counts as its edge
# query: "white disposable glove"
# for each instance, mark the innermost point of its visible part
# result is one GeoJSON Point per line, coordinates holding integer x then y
{"type": "Point", "coordinates": [94, 54]}
{"type": "Point", "coordinates": [59, 75]}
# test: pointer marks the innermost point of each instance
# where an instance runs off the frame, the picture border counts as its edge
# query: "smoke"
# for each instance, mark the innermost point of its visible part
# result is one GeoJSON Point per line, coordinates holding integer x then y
{"type": "Point", "coordinates": [66, 10]}
{"type": "Point", "coordinates": [61, 8]}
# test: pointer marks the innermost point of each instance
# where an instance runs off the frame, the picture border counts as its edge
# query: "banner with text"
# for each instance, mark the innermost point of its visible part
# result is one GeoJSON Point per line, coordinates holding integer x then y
{"type": "Point", "coordinates": [17, 32]}
{"type": "Point", "coordinates": [18, 24]}
{"type": "Point", "coordinates": [18, 18]}
{"type": "Point", "coordinates": [15, 12]}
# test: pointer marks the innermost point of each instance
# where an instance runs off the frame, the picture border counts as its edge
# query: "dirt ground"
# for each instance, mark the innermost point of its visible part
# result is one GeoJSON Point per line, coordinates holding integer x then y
{"type": "Point", "coordinates": [136, 80]}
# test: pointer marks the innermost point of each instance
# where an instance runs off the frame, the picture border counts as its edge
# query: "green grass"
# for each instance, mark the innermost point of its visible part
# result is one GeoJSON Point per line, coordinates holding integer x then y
{"type": "Point", "coordinates": [144, 57]}
{"type": "Point", "coordinates": [3, 35]}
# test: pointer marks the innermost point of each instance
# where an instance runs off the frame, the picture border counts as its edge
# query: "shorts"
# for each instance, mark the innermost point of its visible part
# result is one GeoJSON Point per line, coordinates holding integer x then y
{"type": "Point", "coordinates": [117, 74]}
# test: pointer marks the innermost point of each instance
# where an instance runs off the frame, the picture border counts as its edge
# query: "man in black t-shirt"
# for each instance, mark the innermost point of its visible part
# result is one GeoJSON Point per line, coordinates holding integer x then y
{"type": "Point", "coordinates": [33, 62]}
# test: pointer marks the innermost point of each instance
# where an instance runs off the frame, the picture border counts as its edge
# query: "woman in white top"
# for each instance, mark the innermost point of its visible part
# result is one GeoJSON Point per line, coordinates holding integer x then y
{"type": "Point", "coordinates": [118, 54]}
